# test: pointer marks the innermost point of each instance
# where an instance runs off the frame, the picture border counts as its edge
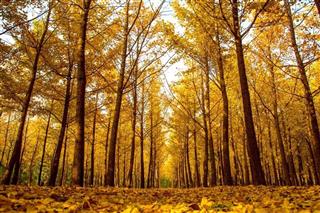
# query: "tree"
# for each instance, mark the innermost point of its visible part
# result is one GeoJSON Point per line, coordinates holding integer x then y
{"type": "Point", "coordinates": [78, 160]}
{"type": "Point", "coordinates": [14, 164]}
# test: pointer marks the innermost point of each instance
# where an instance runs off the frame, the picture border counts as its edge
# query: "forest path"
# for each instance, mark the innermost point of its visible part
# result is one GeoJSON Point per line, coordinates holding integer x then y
{"type": "Point", "coordinates": [221, 198]}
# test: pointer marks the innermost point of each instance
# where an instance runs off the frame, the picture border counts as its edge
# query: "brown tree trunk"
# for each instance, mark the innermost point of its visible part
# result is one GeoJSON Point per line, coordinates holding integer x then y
{"type": "Point", "coordinates": [142, 137]}
{"type": "Point", "coordinates": [14, 163]}
{"type": "Point", "coordinates": [32, 159]}
{"type": "Point", "coordinates": [188, 159]}
{"type": "Point", "coordinates": [225, 120]}
{"type": "Point", "coordinates": [196, 162]}
{"type": "Point", "coordinates": [64, 158]}
{"type": "Point", "coordinates": [44, 146]}
{"type": "Point", "coordinates": [116, 117]}
{"type": "Point", "coordinates": [206, 137]}
{"type": "Point", "coordinates": [56, 156]}
{"type": "Point", "coordinates": [284, 163]}
{"type": "Point", "coordinates": [106, 152]}
{"type": "Point", "coordinates": [275, 173]}
{"type": "Point", "coordinates": [78, 159]}
{"type": "Point", "coordinates": [134, 123]}
{"type": "Point", "coordinates": [252, 145]}
{"type": "Point", "coordinates": [150, 170]}
{"type": "Point", "coordinates": [213, 172]}
{"type": "Point", "coordinates": [307, 91]}
{"type": "Point", "coordinates": [91, 180]}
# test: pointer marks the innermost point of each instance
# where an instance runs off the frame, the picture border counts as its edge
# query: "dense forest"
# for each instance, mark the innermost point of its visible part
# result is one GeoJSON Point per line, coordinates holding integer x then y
{"type": "Point", "coordinates": [149, 94]}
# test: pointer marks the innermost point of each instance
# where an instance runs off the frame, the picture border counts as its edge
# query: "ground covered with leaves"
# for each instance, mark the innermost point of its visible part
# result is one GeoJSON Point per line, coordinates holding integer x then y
{"type": "Point", "coordinates": [217, 199]}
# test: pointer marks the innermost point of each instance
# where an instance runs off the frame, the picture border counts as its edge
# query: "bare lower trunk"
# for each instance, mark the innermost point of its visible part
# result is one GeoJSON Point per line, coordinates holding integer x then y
{"type": "Point", "coordinates": [56, 156]}
{"type": "Point", "coordinates": [32, 160]}
{"type": "Point", "coordinates": [225, 120]}
{"type": "Point", "coordinates": [64, 158]}
{"type": "Point", "coordinates": [134, 123]}
{"type": "Point", "coordinates": [91, 180]}
{"type": "Point", "coordinates": [196, 162]}
{"type": "Point", "coordinates": [106, 152]}
{"type": "Point", "coordinates": [142, 139]}
{"type": "Point", "coordinates": [44, 148]}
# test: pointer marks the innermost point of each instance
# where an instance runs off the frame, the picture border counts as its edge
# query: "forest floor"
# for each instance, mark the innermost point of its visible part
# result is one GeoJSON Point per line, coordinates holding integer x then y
{"type": "Point", "coordinates": [218, 199]}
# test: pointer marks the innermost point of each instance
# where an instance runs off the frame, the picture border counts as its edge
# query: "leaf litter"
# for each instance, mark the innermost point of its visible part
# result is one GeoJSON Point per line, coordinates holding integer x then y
{"type": "Point", "coordinates": [241, 199]}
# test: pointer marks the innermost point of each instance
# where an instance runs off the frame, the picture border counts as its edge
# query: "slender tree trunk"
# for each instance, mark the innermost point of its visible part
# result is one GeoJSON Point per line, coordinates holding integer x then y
{"type": "Point", "coordinates": [14, 163]}
{"type": "Point", "coordinates": [300, 166]}
{"type": "Point", "coordinates": [91, 181]}
{"type": "Point", "coordinates": [276, 178]}
{"type": "Point", "coordinates": [134, 123]}
{"type": "Point", "coordinates": [32, 159]}
{"type": "Point", "coordinates": [225, 120]}
{"type": "Point", "coordinates": [196, 162]}
{"type": "Point", "coordinates": [18, 169]}
{"type": "Point", "coordinates": [44, 146]}
{"type": "Point", "coordinates": [150, 170]}
{"type": "Point", "coordinates": [252, 145]}
{"type": "Point", "coordinates": [206, 137]}
{"type": "Point", "coordinates": [116, 117]}
{"type": "Point", "coordinates": [142, 138]}
{"type": "Point", "coordinates": [307, 91]}
{"type": "Point", "coordinates": [284, 163]}
{"type": "Point", "coordinates": [213, 172]}
{"type": "Point", "coordinates": [124, 167]}
{"type": "Point", "coordinates": [188, 159]}
{"type": "Point", "coordinates": [106, 152]}
{"type": "Point", "coordinates": [56, 156]}
{"type": "Point", "coordinates": [64, 159]}
{"type": "Point", "coordinates": [309, 145]}
{"type": "Point", "coordinates": [78, 159]}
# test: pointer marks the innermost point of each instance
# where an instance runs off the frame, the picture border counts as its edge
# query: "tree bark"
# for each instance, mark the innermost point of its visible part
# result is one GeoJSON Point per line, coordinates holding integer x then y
{"type": "Point", "coordinates": [64, 158]}
{"type": "Point", "coordinates": [188, 159]}
{"type": "Point", "coordinates": [206, 137]}
{"type": "Point", "coordinates": [196, 162]}
{"type": "Point", "coordinates": [252, 145]}
{"type": "Point", "coordinates": [78, 159]}
{"type": "Point", "coordinates": [134, 124]}
{"type": "Point", "coordinates": [106, 152]}
{"type": "Point", "coordinates": [56, 156]}
{"type": "Point", "coordinates": [225, 120]}
{"type": "Point", "coordinates": [32, 159]}
{"type": "Point", "coordinates": [150, 170]}
{"type": "Point", "coordinates": [44, 146]}
{"type": "Point", "coordinates": [142, 138]}
{"type": "Point", "coordinates": [116, 117]}
{"type": "Point", "coordinates": [213, 172]}
{"type": "Point", "coordinates": [91, 181]}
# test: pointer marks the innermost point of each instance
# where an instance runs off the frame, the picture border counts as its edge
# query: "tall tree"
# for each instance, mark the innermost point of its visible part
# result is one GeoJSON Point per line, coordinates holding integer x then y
{"type": "Point", "coordinates": [252, 145]}
{"type": "Point", "coordinates": [307, 90]}
{"type": "Point", "coordinates": [14, 163]}
{"type": "Point", "coordinates": [78, 160]}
